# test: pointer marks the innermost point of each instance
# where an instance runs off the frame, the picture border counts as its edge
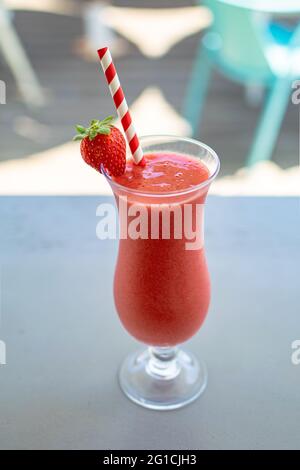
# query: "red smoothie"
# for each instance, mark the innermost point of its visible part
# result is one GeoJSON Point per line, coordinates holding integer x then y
{"type": "Point", "coordinates": [161, 288]}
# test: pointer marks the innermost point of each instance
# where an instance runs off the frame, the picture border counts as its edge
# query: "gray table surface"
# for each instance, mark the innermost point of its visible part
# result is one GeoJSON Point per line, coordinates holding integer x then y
{"type": "Point", "coordinates": [65, 343]}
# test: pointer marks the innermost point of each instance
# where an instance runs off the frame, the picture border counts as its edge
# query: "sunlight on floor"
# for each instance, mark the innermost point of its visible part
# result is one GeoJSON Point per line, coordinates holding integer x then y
{"type": "Point", "coordinates": [265, 179]}
{"type": "Point", "coordinates": [56, 171]}
{"type": "Point", "coordinates": [61, 171]}
{"type": "Point", "coordinates": [156, 31]}
{"type": "Point", "coordinates": [151, 104]}
{"type": "Point", "coordinates": [51, 6]}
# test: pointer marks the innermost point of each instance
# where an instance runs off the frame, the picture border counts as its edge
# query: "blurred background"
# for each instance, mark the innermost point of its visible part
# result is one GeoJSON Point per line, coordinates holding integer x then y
{"type": "Point", "coordinates": [221, 71]}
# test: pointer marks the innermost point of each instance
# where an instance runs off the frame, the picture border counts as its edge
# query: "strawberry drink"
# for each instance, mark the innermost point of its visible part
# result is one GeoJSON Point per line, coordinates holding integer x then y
{"type": "Point", "coordinates": [170, 304]}
{"type": "Point", "coordinates": [161, 284]}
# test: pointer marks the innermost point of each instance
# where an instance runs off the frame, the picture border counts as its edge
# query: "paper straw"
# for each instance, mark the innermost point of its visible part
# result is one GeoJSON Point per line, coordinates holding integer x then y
{"type": "Point", "coordinates": [121, 105]}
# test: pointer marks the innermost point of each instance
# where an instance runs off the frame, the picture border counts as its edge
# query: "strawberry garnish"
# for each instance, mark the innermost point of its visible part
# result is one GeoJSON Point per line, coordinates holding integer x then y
{"type": "Point", "coordinates": [103, 144]}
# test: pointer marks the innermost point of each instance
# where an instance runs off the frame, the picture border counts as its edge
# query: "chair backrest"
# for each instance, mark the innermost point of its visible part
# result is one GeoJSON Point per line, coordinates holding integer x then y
{"type": "Point", "coordinates": [241, 38]}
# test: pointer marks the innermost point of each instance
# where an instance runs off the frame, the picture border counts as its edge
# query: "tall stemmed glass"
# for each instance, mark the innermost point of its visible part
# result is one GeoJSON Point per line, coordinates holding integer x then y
{"type": "Point", "coordinates": [162, 287]}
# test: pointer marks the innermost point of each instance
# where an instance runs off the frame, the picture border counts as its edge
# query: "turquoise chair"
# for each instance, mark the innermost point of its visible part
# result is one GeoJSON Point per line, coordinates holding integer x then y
{"type": "Point", "coordinates": [250, 49]}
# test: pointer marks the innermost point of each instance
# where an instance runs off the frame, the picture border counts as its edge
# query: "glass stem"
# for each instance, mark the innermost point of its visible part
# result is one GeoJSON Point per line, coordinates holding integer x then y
{"type": "Point", "coordinates": [163, 362]}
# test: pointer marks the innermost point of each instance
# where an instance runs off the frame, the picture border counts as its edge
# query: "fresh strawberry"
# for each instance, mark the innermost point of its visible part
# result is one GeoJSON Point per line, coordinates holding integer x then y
{"type": "Point", "coordinates": [103, 144]}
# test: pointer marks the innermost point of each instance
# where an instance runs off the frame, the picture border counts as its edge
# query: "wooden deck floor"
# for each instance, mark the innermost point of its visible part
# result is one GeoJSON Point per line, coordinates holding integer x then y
{"type": "Point", "coordinates": [77, 93]}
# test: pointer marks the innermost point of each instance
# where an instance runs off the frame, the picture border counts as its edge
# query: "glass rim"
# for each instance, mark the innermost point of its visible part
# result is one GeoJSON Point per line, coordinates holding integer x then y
{"type": "Point", "coordinates": [169, 193]}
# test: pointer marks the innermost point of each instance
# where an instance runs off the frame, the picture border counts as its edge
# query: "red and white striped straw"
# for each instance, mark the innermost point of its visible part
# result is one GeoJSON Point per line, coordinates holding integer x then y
{"type": "Point", "coordinates": [121, 105]}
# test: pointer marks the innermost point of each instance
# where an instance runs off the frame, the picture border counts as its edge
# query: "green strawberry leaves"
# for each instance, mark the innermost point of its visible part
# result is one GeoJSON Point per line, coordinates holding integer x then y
{"type": "Point", "coordinates": [96, 127]}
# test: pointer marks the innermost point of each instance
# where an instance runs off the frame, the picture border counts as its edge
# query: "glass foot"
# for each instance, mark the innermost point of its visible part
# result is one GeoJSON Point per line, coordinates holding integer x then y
{"type": "Point", "coordinates": [162, 378]}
